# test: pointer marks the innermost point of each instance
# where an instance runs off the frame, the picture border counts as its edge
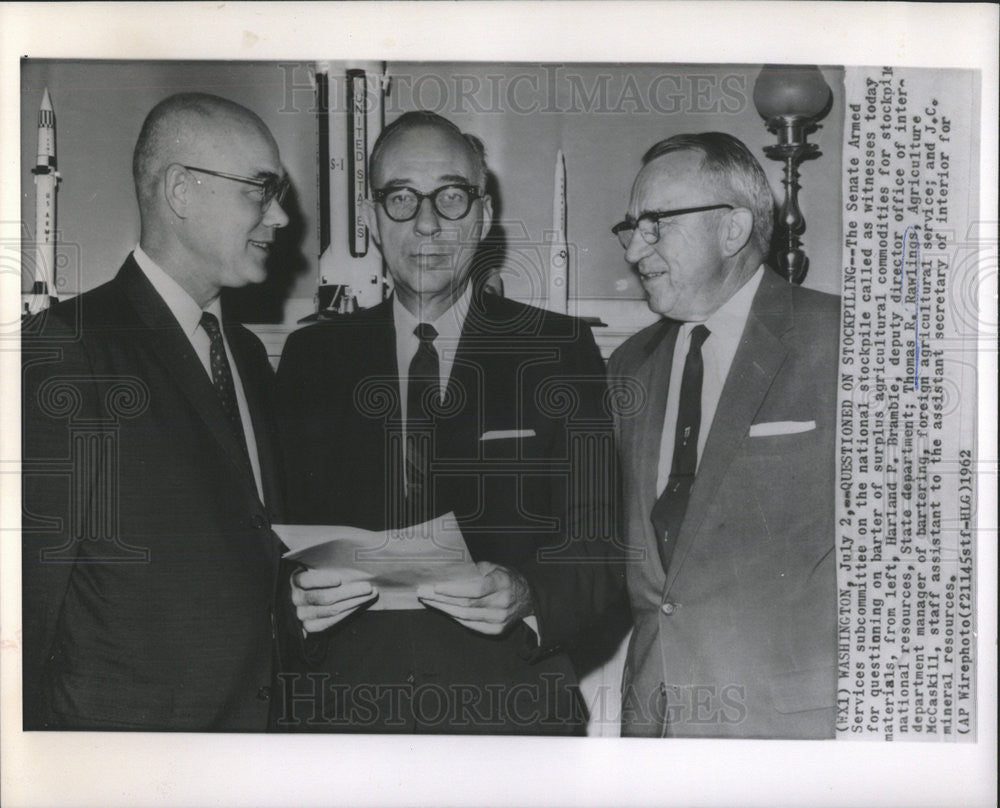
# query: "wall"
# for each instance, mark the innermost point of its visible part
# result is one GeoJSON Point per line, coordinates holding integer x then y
{"type": "Point", "coordinates": [99, 108]}
{"type": "Point", "coordinates": [603, 117]}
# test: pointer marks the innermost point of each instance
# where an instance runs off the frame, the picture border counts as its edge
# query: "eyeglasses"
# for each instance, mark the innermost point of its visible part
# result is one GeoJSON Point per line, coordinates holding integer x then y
{"type": "Point", "coordinates": [271, 186]}
{"type": "Point", "coordinates": [451, 202]}
{"type": "Point", "coordinates": [649, 223]}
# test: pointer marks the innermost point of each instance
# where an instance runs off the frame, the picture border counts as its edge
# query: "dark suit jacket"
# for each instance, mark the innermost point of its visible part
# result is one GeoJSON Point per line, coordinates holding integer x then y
{"type": "Point", "coordinates": [541, 504]}
{"type": "Point", "coordinates": [738, 638]}
{"type": "Point", "coordinates": [149, 564]}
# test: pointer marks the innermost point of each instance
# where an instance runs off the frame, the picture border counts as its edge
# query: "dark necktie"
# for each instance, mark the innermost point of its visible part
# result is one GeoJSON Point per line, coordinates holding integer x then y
{"type": "Point", "coordinates": [222, 378]}
{"type": "Point", "coordinates": [668, 512]}
{"type": "Point", "coordinates": [422, 397]}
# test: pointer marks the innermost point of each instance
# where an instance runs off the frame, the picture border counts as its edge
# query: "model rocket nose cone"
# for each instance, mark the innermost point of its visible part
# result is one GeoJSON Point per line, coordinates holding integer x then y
{"type": "Point", "coordinates": [46, 101]}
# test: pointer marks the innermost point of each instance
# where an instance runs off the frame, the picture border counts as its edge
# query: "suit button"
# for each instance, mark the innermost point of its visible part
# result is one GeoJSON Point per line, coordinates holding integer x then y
{"type": "Point", "coordinates": [264, 693]}
{"type": "Point", "coordinates": [668, 608]}
{"type": "Point", "coordinates": [259, 521]}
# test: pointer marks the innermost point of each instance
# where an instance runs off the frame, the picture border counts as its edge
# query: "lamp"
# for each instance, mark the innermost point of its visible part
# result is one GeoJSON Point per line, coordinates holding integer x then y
{"type": "Point", "coordinates": [791, 99]}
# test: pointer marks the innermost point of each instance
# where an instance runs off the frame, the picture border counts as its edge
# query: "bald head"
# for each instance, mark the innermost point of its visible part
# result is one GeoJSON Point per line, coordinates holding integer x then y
{"type": "Point", "coordinates": [187, 128]}
{"type": "Point", "coordinates": [423, 119]}
{"type": "Point", "coordinates": [205, 172]}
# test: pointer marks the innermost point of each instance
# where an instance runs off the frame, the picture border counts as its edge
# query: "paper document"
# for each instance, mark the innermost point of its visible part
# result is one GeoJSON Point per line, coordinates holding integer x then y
{"type": "Point", "coordinates": [396, 562]}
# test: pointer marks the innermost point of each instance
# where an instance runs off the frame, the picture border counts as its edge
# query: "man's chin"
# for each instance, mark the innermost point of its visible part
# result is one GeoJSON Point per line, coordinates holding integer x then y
{"type": "Point", "coordinates": [657, 306]}
{"type": "Point", "coordinates": [435, 263]}
{"type": "Point", "coordinates": [249, 276]}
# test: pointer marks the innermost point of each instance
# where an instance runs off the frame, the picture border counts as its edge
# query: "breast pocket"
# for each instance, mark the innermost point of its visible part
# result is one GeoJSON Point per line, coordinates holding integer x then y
{"type": "Point", "coordinates": [507, 444]}
{"type": "Point", "coordinates": [791, 444]}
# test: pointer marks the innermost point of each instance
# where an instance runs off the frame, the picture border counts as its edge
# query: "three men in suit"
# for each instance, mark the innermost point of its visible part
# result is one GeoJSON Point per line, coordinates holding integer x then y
{"type": "Point", "coordinates": [728, 468]}
{"type": "Point", "coordinates": [151, 472]}
{"type": "Point", "coordinates": [442, 400]}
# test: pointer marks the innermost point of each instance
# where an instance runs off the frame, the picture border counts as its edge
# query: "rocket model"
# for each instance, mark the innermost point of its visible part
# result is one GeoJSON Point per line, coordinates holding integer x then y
{"type": "Point", "coordinates": [559, 250]}
{"type": "Point", "coordinates": [350, 269]}
{"type": "Point", "coordinates": [46, 179]}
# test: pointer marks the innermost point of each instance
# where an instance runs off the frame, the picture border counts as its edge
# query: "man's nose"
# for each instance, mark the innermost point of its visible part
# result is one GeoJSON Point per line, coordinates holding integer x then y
{"type": "Point", "coordinates": [426, 222]}
{"type": "Point", "coordinates": [275, 215]}
{"type": "Point", "coordinates": [637, 248]}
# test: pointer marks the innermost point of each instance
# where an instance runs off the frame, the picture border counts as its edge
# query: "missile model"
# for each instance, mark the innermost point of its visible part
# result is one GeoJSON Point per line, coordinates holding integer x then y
{"type": "Point", "coordinates": [559, 250]}
{"type": "Point", "coordinates": [350, 106]}
{"type": "Point", "coordinates": [46, 178]}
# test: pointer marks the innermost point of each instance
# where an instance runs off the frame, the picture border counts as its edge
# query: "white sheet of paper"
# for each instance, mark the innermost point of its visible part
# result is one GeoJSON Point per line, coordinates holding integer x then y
{"type": "Point", "coordinates": [396, 562]}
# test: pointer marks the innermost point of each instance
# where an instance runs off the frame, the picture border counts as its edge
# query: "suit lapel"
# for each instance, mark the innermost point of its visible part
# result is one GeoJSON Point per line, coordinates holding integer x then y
{"type": "Point", "coordinates": [466, 386]}
{"type": "Point", "coordinates": [379, 350]}
{"type": "Point", "coordinates": [642, 441]}
{"type": "Point", "coordinates": [256, 391]}
{"type": "Point", "coordinates": [371, 337]}
{"type": "Point", "coordinates": [166, 339]}
{"type": "Point", "coordinates": [757, 361]}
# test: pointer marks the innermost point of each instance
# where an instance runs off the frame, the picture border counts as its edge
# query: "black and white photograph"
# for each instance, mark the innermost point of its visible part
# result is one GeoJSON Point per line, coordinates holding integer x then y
{"type": "Point", "coordinates": [608, 409]}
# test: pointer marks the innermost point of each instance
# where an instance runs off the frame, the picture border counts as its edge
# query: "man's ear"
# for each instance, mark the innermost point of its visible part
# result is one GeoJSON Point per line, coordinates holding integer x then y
{"type": "Point", "coordinates": [371, 219]}
{"type": "Point", "coordinates": [736, 230]}
{"type": "Point", "coordinates": [487, 218]}
{"type": "Point", "coordinates": [177, 189]}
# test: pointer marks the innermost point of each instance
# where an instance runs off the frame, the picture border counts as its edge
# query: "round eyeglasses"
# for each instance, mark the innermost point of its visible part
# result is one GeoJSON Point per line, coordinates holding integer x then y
{"type": "Point", "coordinates": [451, 202]}
{"type": "Point", "coordinates": [648, 224]}
{"type": "Point", "coordinates": [270, 186]}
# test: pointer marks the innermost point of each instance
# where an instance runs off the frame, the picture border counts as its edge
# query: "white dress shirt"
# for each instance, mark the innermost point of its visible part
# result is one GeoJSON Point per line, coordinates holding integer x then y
{"type": "Point", "coordinates": [188, 315]}
{"type": "Point", "coordinates": [725, 330]}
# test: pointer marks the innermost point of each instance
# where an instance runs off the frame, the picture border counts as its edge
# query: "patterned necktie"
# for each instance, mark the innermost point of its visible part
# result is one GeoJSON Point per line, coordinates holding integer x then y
{"type": "Point", "coordinates": [668, 512]}
{"type": "Point", "coordinates": [222, 378]}
{"type": "Point", "coordinates": [422, 396]}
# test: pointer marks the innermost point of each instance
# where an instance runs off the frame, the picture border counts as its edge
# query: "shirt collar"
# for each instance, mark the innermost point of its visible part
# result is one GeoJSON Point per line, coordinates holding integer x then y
{"type": "Point", "coordinates": [727, 322]}
{"type": "Point", "coordinates": [185, 310]}
{"type": "Point", "coordinates": [449, 325]}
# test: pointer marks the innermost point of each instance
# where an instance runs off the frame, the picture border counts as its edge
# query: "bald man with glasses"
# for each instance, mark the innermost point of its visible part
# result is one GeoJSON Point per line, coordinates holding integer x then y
{"type": "Point", "coordinates": [445, 400]}
{"type": "Point", "coordinates": [151, 472]}
{"type": "Point", "coordinates": [728, 471]}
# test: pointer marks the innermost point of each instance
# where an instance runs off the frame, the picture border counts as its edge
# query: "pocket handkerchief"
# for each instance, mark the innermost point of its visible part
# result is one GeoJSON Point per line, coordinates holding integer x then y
{"type": "Point", "coordinates": [497, 434]}
{"type": "Point", "coordinates": [780, 428]}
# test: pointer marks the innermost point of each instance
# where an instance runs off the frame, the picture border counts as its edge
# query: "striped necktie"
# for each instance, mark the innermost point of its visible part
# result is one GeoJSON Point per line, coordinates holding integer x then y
{"type": "Point", "coordinates": [668, 512]}
{"type": "Point", "coordinates": [222, 378]}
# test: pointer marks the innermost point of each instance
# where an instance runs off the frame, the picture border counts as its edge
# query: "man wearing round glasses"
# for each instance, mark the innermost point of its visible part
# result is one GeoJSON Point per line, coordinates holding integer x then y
{"type": "Point", "coordinates": [728, 472]}
{"type": "Point", "coordinates": [428, 237]}
{"type": "Point", "coordinates": [150, 566]}
{"type": "Point", "coordinates": [486, 439]}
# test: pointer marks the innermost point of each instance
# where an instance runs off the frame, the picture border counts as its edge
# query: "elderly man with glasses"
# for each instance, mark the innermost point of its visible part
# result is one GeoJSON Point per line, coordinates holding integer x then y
{"type": "Point", "coordinates": [150, 476]}
{"type": "Point", "coordinates": [501, 410]}
{"type": "Point", "coordinates": [728, 472]}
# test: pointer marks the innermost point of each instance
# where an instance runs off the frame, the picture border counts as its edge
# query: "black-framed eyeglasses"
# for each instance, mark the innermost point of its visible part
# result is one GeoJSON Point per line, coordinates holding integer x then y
{"type": "Point", "coordinates": [649, 223]}
{"type": "Point", "coordinates": [451, 202]}
{"type": "Point", "coordinates": [271, 186]}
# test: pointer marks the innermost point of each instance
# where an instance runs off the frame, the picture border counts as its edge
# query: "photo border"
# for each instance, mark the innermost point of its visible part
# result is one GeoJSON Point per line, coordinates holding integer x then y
{"type": "Point", "coordinates": [179, 769]}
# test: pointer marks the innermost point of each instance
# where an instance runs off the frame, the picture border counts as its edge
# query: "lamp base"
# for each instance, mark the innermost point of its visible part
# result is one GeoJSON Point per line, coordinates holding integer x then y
{"type": "Point", "coordinates": [792, 149]}
{"type": "Point", "coordinates": [793, 264]}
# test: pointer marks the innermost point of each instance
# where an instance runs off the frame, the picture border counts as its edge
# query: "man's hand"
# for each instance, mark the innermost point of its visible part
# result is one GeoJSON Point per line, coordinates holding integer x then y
{"type": "Point", "coordinates": [322, 599]}
{"type": "Point", "coordinates": [489, 605]}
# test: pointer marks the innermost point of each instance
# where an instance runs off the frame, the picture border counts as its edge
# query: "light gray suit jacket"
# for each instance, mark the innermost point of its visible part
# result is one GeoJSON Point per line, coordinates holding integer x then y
{"type": "Point", "coordinates": [738, 638]}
